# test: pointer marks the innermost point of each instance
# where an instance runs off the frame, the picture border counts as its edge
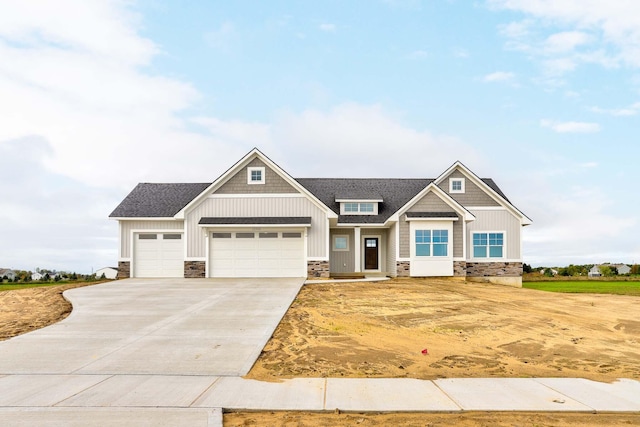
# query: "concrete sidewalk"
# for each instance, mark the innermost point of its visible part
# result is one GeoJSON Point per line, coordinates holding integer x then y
{"type": "Point", "coordinates": [198, 400]}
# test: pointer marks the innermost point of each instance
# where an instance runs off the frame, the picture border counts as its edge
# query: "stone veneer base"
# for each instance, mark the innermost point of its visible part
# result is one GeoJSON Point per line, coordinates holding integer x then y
{"type": "Point", "coordinates": [124, 270]}
{"type": "Point", "coordinates": [318, 269]}
{"type": "Point", "coordinates": [194, 269]}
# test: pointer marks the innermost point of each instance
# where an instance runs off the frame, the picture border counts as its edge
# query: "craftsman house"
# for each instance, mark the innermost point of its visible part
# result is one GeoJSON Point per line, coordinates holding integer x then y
{"type": "Point", "coordinates": [257, 221]}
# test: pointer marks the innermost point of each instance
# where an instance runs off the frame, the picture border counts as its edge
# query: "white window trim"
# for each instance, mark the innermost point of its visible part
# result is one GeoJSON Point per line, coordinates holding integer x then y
{"type": "Point", "coordinates": [451, 181]}
{"type": "Point", "coordinates": [335, 237]}
{"type": "Point", "coordinates": [261, 169]}
{"type": "Point", "coordinates": [488, 258]}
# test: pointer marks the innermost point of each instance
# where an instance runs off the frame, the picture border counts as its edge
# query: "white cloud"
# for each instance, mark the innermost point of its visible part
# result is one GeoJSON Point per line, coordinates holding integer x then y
{"type": "Point", "coordinates": [565, 41]}
{"type": "Point", "coordinates": [329, 28]}
{"type": "Point", "coordinates": [366, 132]}
{"type": "Point", "coordinates": [589, 165]}
{"type": "Point", "coordinates": [631, 110]}
{"type": "Point", "coordinates": [498, 76]}
{"type": "Point", "coordinates": [570, 127]}
{"type": "Point", "coordinates": [585, 31]}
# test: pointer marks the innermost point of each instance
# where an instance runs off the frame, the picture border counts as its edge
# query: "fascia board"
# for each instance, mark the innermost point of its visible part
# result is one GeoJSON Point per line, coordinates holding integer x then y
{"type": "Point", "coordinates": [524, 220]}
{"type": "Point", "coordinates": [254, 225]}
{"type": "Point", "coordinates": [145, 218]}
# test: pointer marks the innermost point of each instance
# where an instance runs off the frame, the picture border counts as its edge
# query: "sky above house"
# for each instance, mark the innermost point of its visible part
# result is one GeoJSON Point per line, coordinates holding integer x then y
{"type": "Point", "coordinates": [543, 96]}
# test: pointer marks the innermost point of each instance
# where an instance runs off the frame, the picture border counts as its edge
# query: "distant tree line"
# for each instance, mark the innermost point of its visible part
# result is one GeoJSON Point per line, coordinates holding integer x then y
{"type": "Point", "coordinates": [606, 270]}
{"type": "Point", "coordinates": [26, 276]}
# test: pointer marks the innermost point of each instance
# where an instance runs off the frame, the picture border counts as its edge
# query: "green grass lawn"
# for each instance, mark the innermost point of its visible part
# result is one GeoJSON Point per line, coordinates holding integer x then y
{"type": "Point", "coordinates": [587, 286]}
{"type": "Point", "coordinates": [14, 286]}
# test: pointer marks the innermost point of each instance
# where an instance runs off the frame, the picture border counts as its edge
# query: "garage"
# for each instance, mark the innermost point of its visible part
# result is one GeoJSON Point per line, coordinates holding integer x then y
{"type": "Point", "coordinates": [264, 253]}
{"type": "Point", "coordinates": [158, 255]}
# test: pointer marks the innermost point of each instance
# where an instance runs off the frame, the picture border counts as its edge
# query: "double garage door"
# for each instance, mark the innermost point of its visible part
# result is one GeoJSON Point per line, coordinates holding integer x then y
{"type": "Point", "coordinates": [158, 255]}
{"type": "Point", "coordinates": [269, 253]}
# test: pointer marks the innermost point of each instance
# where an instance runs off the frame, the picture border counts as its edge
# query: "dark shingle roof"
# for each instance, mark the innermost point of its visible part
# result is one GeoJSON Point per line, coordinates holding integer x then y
{"type": "Point", "coordinates": [272, 220]}
{"type": "Point", "coordinates": [394, 192]}
{"type": "Point", "coordinates": [148, 200]}
{"type": "Point", "coordinates": [157, 200]}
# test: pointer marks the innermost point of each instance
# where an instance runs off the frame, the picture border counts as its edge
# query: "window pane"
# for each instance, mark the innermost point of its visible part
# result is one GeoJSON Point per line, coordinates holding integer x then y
{"type": "Point", "coordinates": [291, 235]}
{"type": "Point", "coordinates": [245, 235]}
{"type": "Point", "coordinates": [456, 185]}
{"type": "Point", "coordinates": [495, 251]}
{"type": "Point", "coordinates": [439, 249]}
{"type": "Point", "coordinates": [351, 207]}
{"type": "Point", "coordinates": [496, 239]}
{"type": "Point", "coordinates": [268, 235]}
{"type": "Point", "coordinates": [440, 236]}
{"type": "Point", "coordinates": [256, 175]}
{"type": "Point", "coordinates": [340, 242]}
{"type": "Point", "coordinates": [147, 236]}
{"type": "Point", "coordinates": [366, 207]}
{"type": "Point", "coordinates": [172, 236]}
{"type": "Point", "coordinates": [423, 236]}
{"type": "Point", "coordinates": [479, 239]}
{"type": "Point", "coordinates": [423, 249]}
{"type": "Point", "coordinates": [221, 235]}
{"type": "Point", "coordinates": [479, 252]}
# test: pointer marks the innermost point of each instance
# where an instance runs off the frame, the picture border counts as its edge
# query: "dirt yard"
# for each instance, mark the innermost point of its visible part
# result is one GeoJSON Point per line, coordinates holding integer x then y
{"type": "Point", "coordinates": [468, 419]}
{"type": "Point", "coordinates": [25, 310]}
{"type": "Point", "coordinates": [380, 330]}
{"type": "Point", "coordinates": [468, 329]}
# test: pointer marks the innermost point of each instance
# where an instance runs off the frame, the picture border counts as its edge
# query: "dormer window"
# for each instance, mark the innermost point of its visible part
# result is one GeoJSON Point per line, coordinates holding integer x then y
{"type": "Point", "coordinates": [456, 185]}
{"type": "Point", "coordinates": [358, 207]}
{"type": "Point", "coordinates": [255, 175]}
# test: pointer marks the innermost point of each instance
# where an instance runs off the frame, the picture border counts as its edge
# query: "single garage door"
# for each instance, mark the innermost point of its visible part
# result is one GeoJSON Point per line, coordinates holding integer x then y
{"type": "Point", "coordinates": [273, 253]}
{"type": "Point", "coordinates": [158, 255]}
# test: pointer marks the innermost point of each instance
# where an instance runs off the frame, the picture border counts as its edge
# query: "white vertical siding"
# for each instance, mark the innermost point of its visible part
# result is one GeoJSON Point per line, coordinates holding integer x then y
{"type": "Point", "coordinates": [127, 226]}
{"type": "Point", "coordinates": [496, 220]}
{"type": "Point", "coordinates": [257, 207]}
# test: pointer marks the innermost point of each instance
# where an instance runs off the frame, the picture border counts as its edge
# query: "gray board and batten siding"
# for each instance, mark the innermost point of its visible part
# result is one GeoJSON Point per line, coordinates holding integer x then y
{"type": "Point", "coordinates": [273, 183]}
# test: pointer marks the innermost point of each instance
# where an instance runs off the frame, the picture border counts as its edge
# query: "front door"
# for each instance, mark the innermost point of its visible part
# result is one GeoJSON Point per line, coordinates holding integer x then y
{"type": "Point", "coordinates": [370, 253]}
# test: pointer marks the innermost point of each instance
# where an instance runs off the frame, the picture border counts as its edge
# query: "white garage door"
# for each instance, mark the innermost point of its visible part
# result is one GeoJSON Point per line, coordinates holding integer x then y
{"type": "Point", "coordinates": [273, 253]}
{"type": "Point", "coordinates": [158, 255]}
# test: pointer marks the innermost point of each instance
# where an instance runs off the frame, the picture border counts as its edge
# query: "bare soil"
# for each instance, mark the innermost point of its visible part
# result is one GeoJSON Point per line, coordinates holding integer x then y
{"type": "Point", "coordinates": [467, 419]}
{"type": "Point", "coordinates": [25, 310]}
{"type": "Point", "coordinates": [381, 329]}
{"type": "Point", "coordinates": [468, 330]}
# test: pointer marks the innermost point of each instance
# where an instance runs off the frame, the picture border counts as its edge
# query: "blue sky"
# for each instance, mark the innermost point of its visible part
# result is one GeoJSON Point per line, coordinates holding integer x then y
{"type": "Point", "coordinates": [96, 96]}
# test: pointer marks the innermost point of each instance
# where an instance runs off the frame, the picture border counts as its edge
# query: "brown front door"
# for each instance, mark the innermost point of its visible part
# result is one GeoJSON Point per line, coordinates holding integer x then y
{"type": "Point", "coordinates": [370, 253]}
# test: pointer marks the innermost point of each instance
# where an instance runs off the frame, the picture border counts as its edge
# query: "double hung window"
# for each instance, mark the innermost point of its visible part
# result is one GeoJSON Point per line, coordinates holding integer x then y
{"type": "Point", "coordinates": [488, 245]}
{"type": "Point", "coordinates": [432, 243]}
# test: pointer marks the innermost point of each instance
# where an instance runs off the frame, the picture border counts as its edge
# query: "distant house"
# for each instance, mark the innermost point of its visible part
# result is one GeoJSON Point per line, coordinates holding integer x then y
{"type": "Point", "coordinates": [8, 273]}
{"type": "Point", "coordinates": [109, 272]}
{"type": "Point", "coordinates": [36, 276]}
{"type": "Point", "coordinates": [595, 271]}
{"type": "Point", "coordinates": [622, 268]}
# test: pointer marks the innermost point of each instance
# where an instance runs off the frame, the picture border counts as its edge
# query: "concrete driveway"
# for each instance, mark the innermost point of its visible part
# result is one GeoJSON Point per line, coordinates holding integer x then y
{"type": "Point", "coordinates": [157, 326]}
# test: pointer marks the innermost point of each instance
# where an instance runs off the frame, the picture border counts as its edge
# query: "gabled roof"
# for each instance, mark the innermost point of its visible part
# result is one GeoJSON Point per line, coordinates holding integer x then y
{"type": "Point", "coordinates": [254, 153]}
{"type": "Point", "coordinates": [489, 186]}
{"type": "Point", "coordinates": [148, 200]}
